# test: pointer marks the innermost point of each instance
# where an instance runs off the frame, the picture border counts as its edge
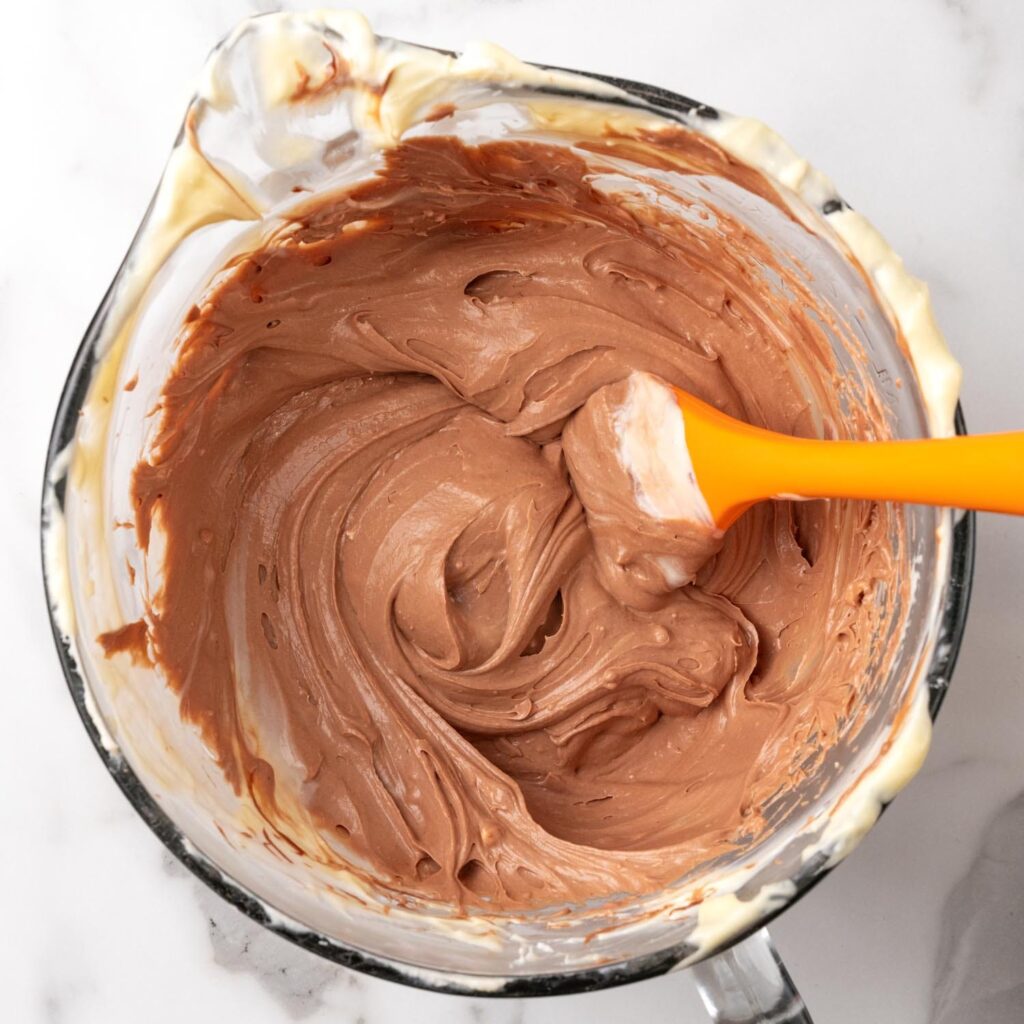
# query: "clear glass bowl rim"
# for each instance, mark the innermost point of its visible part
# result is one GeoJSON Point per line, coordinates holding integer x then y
{"type": "Point", "coordinates": [952, 622]}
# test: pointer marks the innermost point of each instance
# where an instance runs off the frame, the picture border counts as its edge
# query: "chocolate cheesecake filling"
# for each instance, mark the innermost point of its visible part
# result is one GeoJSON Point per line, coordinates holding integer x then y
{"type": "Point", "coordinates": [402, 596]}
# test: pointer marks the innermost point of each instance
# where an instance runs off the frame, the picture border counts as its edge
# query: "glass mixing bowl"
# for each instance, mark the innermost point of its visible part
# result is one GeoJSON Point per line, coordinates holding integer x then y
{"type": "Point", "coordinates": [132, 717]}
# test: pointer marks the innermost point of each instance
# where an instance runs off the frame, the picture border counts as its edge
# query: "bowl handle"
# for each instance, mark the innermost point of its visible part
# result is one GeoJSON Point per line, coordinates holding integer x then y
{"type": "Point", "coordinates": [749, 984]}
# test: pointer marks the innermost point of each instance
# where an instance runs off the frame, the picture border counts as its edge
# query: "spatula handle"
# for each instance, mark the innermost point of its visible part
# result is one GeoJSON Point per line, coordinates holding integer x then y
{"type": "Point", "coordinates": [984, 471]}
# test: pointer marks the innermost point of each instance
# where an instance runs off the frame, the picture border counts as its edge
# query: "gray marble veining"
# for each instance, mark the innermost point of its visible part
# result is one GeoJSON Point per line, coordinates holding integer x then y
{"type": "Point", "coordinates": [979, 970]}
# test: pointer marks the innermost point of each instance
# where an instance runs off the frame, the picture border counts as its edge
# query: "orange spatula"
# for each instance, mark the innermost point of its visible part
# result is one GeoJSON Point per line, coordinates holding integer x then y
{"type": "Point", "coordinates": [737, 465]}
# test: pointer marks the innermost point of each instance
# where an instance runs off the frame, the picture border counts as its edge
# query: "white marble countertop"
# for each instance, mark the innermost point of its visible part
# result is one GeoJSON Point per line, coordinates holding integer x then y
{"type": "Point", "coordinates": [916, 109]}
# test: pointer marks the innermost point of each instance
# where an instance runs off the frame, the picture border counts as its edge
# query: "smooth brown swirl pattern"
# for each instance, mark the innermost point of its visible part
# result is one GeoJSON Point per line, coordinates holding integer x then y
{"type": "Point", "coordinates": [382, 602]}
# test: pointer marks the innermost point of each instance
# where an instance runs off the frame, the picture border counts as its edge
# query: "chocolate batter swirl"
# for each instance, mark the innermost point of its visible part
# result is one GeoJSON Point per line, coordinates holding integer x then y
{"type": "Point", "coordinates": [382, 602]}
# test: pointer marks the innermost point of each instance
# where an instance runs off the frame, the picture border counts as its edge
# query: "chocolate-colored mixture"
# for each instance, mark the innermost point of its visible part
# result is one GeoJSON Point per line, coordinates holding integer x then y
{"type": "Point", "coordinates": [394, 601]}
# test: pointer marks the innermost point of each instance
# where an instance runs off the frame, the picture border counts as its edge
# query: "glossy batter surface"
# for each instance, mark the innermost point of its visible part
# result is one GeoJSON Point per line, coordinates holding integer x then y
{"type": "Point", "coordinates": [398, 599]}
